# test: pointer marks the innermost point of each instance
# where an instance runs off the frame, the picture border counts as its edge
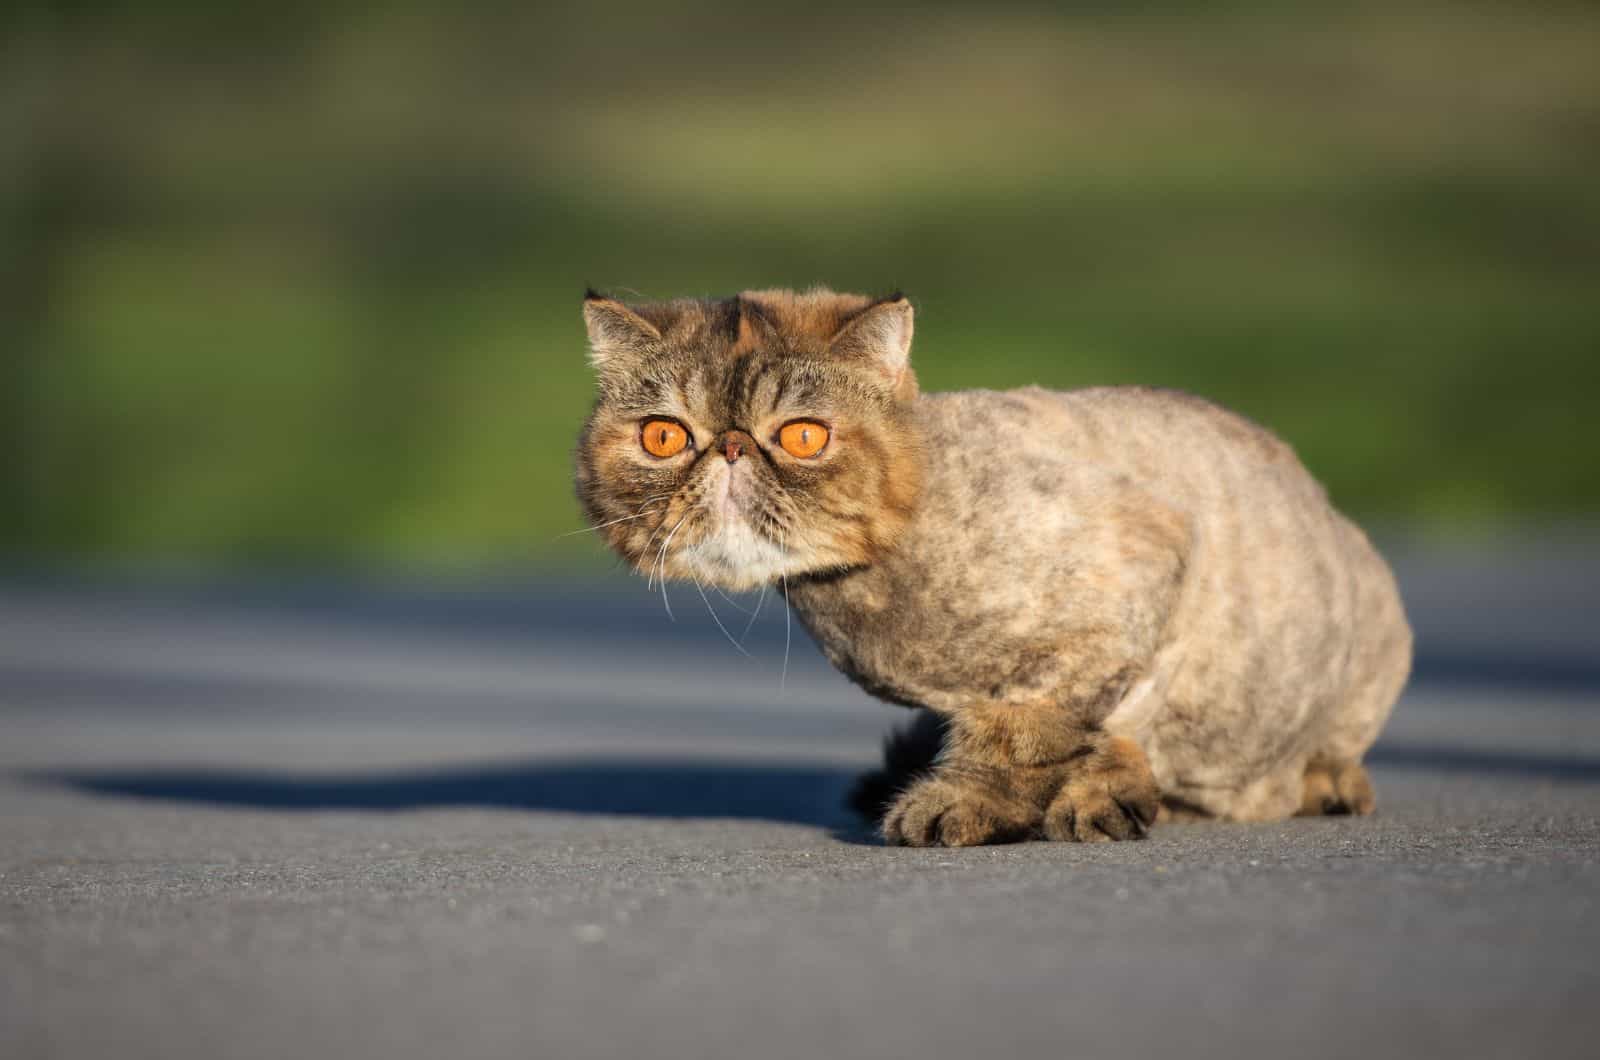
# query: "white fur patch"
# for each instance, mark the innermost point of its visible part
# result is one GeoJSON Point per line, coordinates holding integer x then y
{"type": "Point", "coordinates": [735, 557]}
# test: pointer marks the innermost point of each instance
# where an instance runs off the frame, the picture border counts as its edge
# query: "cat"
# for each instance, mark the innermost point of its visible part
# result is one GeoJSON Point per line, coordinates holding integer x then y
{"type": "Point", "coordinates": [1109, 606]}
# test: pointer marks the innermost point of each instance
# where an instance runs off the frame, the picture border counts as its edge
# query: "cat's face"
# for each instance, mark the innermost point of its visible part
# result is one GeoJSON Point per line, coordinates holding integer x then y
{"type": "Point", "coordinates": [743, 440]}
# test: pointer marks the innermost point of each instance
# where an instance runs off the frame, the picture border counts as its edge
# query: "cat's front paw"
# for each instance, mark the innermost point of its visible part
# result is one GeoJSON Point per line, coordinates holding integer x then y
{"type": "Point", "coordinates": [1110, 794]}
{"type": "Point", "coordinates": [956, 810]}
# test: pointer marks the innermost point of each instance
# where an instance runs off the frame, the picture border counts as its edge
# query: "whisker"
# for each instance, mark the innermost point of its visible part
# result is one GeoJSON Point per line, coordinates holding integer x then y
{"type": "Point", "coordinates": [664, 601]}
{"type": "Point", "coordinates": [650, 571]}
{"type": "Point", "coordinates": [602, 526]}
{"type": "Point", "coordinates": [737, 646]}
{"type": "Point", "coordinates": [731, 601]}
{"type": "Point", "coordinates": [663, 564]}
{"type": "Point", "coordinates": [761, 602]}
{"type": "Point", "coordinates": [649, 582]}
{"type": "Point", "coordinates": [784, 676]}
{"type": "Point", "coordinates": [650, 579]}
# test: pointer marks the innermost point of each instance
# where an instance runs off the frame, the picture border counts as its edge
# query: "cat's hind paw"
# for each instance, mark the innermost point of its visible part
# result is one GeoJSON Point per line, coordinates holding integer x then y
{"type": "Point", "coordinates": [1110, 794]}
{"type": "Point", "coordinates": [1336, 788]}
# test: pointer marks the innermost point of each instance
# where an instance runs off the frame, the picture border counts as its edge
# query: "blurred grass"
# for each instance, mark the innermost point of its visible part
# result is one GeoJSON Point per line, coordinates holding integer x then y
{"type": "Point", "coordinates": [302, 286]}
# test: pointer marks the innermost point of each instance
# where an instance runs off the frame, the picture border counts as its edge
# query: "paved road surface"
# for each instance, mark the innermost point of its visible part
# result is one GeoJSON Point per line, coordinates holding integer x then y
{"type": "Point", "coordinates": [543, 821]}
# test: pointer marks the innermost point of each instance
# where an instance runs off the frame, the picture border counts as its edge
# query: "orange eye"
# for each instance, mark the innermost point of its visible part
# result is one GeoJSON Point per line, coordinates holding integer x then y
{"type": "Point", "coordinates": [663, 438]}
{"type": "Point", "coordinates": [803, 438]}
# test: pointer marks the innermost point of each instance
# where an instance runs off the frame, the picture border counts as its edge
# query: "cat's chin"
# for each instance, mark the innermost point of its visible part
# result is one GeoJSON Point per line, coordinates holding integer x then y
{"type": "Point", "coordinates": [735, 558]}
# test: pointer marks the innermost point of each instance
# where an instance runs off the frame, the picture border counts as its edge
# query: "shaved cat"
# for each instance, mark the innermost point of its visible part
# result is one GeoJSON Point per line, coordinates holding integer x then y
{"type": "Point", "coordinates": [1108, 605]}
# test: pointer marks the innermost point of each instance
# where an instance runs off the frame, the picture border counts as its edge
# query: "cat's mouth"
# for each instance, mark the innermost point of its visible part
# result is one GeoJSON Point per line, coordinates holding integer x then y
{"type": "Point", "coordinates": [732, 553]}
{"type": "Point", "coordinates": [734, 557]}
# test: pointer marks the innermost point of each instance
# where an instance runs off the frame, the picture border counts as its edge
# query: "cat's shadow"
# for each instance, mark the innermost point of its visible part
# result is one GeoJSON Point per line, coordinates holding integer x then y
{"type": "Point", "coordinates": [805, 793]}
{"type": "Point", "coordinates": [789, 792]}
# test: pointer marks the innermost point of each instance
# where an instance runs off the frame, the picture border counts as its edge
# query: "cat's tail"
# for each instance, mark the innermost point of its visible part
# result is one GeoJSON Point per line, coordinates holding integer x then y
{"type": "Point", "coordinates": [908, 754]}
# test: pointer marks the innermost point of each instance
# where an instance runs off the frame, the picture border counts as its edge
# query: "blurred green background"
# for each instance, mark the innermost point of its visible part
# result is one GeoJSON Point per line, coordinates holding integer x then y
{"type": "Point", "coordinates": [300, 285]}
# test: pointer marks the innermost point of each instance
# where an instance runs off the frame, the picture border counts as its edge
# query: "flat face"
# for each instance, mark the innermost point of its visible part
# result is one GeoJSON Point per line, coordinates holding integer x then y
{"type": "Point", "coordinates": [737, 452]}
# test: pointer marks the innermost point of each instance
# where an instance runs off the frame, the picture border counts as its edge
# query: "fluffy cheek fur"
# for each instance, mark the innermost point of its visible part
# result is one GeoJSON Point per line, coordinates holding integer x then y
{"type": "Point", "coordinates": [749, 523]}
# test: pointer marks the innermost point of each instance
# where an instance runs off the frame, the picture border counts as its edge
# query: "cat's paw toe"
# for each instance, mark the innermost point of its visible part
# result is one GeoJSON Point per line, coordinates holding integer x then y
{"type": "Point", "coordinates": [1355, 791]}
{"type": "Point", "coordinates": [1112, 795]}
{"type": "Point", "coordinates": [1337, 788]}
{"type": "Point", "coordinates": [942, 812]}
{"type": "Point", "coordinates": [1089, 816]}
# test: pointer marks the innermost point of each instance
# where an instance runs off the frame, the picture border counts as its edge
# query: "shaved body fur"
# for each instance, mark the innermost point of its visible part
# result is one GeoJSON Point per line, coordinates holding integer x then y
{"type": "Point", "coordinates": [1111, 604]}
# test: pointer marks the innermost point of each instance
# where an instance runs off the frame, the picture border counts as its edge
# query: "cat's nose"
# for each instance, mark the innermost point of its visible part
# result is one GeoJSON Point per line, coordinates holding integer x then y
{"type": "Point", "coordinates": [733, 444]}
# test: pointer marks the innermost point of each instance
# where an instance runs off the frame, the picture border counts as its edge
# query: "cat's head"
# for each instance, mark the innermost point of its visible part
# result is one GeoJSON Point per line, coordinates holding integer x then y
{"type": "Point", "coordinates": [738, 440]}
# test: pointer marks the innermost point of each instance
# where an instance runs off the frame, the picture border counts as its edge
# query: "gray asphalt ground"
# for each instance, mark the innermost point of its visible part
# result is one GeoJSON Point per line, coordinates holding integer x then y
{"type": "Point", "coordinates": [541, 820]}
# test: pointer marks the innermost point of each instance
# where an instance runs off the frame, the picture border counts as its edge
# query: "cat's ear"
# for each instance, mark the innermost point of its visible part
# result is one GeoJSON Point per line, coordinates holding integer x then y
{"type": "Point", "coordinates": [615, 331]}
{"type": "Point", "coordinates": [755, 329]}
{"type": "Point", "coordinates": [880, 335]}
